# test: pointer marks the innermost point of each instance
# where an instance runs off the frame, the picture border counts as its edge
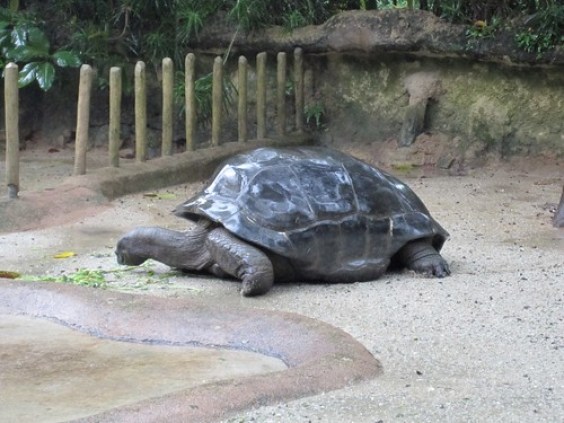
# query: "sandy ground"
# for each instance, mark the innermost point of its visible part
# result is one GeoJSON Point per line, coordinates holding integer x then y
{"type": "Point", "coordinates": [485, 344]}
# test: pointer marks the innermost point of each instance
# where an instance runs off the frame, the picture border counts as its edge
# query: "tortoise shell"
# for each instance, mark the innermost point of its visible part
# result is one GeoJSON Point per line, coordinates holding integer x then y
{"type": "Point", "coordinates": [329, 213]}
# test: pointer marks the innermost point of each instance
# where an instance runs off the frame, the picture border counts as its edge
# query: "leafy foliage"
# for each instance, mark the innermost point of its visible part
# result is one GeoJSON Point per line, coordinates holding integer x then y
{"type": "Point", "coordinates": [113, 33]}
{"type": "Point", "coordinates": [314, 115]}
{"type": "Point", "coordinates": [22, 41]}
{"type": "Point", "coordinates": [203, 95]}
{"type": "Point", "coordinates": [538, 25]}
{"type": "Point", "coordinates": [480, 30]}
{"type": "Point", "coordinates": [253, 14]}
{"type": "Point", "coordinates": [545, 29]}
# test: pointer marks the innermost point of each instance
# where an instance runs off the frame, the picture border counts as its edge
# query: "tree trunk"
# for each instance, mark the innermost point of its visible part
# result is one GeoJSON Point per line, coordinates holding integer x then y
{"type": "Point", "coordinates": [437, 8]}
{"type": "Point", "coordinates": [559, 214]}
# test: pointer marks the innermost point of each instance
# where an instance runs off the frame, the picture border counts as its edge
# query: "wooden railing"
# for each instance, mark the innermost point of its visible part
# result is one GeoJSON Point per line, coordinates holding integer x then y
{"type": "Point", "coordinates": [140, 112]}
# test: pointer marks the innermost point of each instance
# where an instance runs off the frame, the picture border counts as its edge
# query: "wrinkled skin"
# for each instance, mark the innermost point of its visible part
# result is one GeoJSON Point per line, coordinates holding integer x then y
{"type": "Point", "coordinates": [220, 253]}
{"type": "Point", "coordinates": [304, 214]}
{"type": "Point", "coordinates": [205, 249]}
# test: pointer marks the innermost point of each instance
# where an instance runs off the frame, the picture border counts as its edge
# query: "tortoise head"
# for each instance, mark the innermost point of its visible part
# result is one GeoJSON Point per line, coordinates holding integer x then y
{"type": "Point", "coordinates": [129, 249]}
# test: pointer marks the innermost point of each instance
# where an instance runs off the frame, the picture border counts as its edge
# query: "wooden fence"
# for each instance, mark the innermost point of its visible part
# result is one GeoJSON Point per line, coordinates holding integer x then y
{"type": "Point", "coordinates": [140, 93]}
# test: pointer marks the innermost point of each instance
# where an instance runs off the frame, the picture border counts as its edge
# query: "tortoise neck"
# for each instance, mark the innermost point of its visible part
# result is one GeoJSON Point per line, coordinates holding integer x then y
{"type": "Point", "coordinates": [182, 250]}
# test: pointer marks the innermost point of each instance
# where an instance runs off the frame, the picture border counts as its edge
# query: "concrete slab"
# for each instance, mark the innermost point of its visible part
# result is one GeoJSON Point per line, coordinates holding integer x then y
{"type": "Point", "coordinates": [319, 357]}
{"type": "Point", "coordinates": [51, 373]}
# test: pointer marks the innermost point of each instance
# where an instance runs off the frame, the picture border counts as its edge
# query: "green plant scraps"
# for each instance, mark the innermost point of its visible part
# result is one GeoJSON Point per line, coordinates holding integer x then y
{"type": "Point", "coordinates": [82, 277]}
{"type": "Point", "coordinates": [144, 275]}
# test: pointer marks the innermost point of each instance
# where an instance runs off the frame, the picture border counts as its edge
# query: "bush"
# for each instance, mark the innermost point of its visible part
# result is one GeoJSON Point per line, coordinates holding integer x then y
{"type": "Point", "coordinates": [544, 30]}
{"type": "Point", "coordinates": [23, 42]}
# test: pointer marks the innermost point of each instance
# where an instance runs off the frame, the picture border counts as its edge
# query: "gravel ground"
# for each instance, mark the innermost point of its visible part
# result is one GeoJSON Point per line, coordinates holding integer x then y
{"type": "Point", "coordinates": [485, 344]}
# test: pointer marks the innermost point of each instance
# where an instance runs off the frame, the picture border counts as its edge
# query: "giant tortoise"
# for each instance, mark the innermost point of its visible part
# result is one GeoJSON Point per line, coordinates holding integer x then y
{"type": "Point", "coordinates": [296, 214]}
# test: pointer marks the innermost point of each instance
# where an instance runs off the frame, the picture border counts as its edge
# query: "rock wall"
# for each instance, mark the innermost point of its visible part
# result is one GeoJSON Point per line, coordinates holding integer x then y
{"type": "Point", "coordinates": [473, 108]}
{"type": "Point", "coordinates": [399, 78]}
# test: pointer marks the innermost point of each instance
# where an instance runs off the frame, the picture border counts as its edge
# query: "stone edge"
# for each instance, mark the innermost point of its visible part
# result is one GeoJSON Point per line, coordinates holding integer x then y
{"type": "Point", "coordinates": [320, 357]}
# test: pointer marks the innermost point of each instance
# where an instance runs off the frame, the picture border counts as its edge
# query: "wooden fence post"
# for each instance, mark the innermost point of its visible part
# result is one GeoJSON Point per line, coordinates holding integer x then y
{"type": "Point", "coordinates": [299, 88]}
{"type": "Point", "coordinates": [281, 93]}
{"type": "Point", "coordinates": [242, 100]}
{"type": "Point", "coordinates": [190, 100]}
{"type": "Point", "coordinates": [82, 119]}
{"type": "Point", "coordinates": [114, 134]}
{"type": "Point", "coordinates": [261, 95]}
{"type": "Point", "coordinates": [140, 112]}
{"type": "Point", "coordinates": [168, 106]}
{"type": "Point", "coordinates": [217, 95]}
{"type": "Point", "coordinates": [11, 105]}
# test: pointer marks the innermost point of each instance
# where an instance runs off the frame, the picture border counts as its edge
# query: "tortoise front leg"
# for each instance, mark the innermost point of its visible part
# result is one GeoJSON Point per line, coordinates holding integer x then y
{"type": "Point", "coordinates": [242, 261]}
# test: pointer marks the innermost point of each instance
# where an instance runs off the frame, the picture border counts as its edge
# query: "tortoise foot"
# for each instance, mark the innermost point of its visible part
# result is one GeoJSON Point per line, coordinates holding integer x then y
{"type": "Point", "coordinates": [422, 257]}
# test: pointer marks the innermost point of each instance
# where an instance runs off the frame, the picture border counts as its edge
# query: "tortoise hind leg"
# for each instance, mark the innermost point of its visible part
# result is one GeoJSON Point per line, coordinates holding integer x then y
{"type": "Point", "coordinates": [241, 260]}
{"type": "Point", "coordinates": [421, 257]}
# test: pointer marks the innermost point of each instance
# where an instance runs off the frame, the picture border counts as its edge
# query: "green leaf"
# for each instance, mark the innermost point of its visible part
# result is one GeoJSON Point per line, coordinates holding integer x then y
{"type": "Point", "coordinates": [42, 72]}
{"type": "Point", "coordinates": [66, 58]}
{"type": "Point", "coordinates": [5, 39]}
{"type": "Point", "coordinates": [38, 40]}
{"type": "Point", "coordinates": [19, 36]}
{"type": "Point", "coordinates": [45, 75]}
{"type": "Point", "coordinates": [27, 74]}
{"type": "Point", "coordinates": [25, 53]}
